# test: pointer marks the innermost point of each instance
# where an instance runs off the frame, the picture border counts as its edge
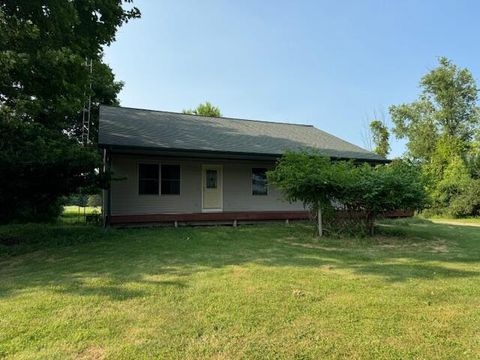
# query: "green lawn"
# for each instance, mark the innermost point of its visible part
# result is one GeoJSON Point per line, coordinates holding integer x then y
{"type": "Point", "coordinates": [262, 292]}
{"type": "Point", "coordinates": [76, 214]}
{"type": "Point", "coordinates": [464, 221]}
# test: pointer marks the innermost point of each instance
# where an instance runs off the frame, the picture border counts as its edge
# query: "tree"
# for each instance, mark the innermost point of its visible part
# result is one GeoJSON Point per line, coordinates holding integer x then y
{"type": "Point", "coordinates": [472, 158]}
{"type": "Point", "coordinates": [205, 109]}
{"type": "Point", "coordinates": [380, 137]}
{"type": "Point", "coordinates": [442, 129]}
{"type": "Point", "coordinates": [446, 107]}
{"type": "Point", "coordinates": [322, 184]}
{"type": "Point", "coordinates": [468, 202]}
{"type": "Point", "coordinates": [44, 84]}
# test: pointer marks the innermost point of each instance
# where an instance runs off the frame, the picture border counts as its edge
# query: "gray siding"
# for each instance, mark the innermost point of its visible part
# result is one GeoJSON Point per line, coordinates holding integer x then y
{"type": "Point", "coordinates": [237, 192]}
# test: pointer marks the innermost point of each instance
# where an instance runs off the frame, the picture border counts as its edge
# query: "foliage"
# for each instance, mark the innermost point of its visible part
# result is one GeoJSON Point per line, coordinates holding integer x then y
{"type": "Point", "coordinates": [44, 84]}
{"type": "Point", "coordinates": [76, 200]}
{"type": "Point", "coordinates": [205, 109]}
{"type": "Point", "coordinates": [35, 175]}
{"type": "Point", "coordinates": [371, 190]}
{"type": "Point", "coordinates": [94, 200]}
{"type": "Point", "coordinates": [380, 137]}
{"type": "Point", "coordinates": [472, 158]}
{"type": "Point", "coordinates": [446, 107]}
{"type": "Point", "coordinates": [442, 129]}
{"type": "Point", "coordinates": [467, 203]}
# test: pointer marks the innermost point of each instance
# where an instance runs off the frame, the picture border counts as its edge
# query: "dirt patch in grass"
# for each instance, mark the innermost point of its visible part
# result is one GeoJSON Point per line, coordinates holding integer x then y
{"type": "Point", "coordinates": [92, 353]}
{"type": "Point", "coordinates": [434, 245]}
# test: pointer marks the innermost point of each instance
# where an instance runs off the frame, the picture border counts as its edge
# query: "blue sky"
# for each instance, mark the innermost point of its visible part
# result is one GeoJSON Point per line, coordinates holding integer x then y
{"type": "Point", "coordinates": [327, 63]}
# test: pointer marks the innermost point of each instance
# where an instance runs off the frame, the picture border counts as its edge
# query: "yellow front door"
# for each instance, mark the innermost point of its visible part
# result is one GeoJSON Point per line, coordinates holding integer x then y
{"type": "Point", "coordinates": [212, 187]}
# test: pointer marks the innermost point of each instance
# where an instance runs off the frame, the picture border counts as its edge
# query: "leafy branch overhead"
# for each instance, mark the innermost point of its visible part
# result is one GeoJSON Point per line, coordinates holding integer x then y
{"type": "Point", "coordinates": [44, 85]}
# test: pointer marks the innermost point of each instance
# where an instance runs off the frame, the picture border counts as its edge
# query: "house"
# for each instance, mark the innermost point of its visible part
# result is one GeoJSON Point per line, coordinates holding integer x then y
{"type": "Point", "coordinates": [173, 167]}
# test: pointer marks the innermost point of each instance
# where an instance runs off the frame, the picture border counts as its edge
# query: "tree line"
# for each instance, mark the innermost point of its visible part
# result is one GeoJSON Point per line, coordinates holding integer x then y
{"type": "Point", "coordinates": [443, 138]}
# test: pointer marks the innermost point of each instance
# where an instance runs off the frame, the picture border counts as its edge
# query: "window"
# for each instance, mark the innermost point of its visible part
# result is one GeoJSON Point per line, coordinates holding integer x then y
{"type": "Point", "coordinates": [148, 179]}
{"type": "Point", "coordinates": [211, 179]}
{"type": "Point", "coordinates": [259, 181]}
{"type": "Point", "coordinates": [170, 179]}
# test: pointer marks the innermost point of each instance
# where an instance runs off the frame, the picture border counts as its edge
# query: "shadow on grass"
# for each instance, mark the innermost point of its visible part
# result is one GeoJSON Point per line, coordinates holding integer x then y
{"type": "Point", "coordinates": [116, 292]}
{"type": "Point", "coordinates": [135, 262]}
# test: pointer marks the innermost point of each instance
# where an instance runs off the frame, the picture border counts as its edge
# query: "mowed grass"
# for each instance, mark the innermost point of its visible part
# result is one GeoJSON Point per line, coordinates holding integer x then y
{"type": "Point", "coordinates": [473, 221]}
{"type": "Point", "coordinates": [261, 292]}
{"type": "Point", "coordinates": [76, 214]}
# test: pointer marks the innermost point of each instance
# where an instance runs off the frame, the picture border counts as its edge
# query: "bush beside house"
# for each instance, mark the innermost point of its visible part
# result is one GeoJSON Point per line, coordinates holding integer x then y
{"type": "Point", "coordinates": [327, 187]}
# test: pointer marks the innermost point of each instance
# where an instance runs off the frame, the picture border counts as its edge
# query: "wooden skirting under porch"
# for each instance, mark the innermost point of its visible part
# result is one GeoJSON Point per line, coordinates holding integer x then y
{"type": "Point", "coordinates": [209, 217]}
{"type": "Point", "coordinates": [223, 217]}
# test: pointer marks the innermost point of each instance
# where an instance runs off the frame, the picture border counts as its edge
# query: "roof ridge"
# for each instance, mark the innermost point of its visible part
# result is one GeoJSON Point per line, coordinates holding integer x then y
{"type": "Point", "coordinates": [209, 117]}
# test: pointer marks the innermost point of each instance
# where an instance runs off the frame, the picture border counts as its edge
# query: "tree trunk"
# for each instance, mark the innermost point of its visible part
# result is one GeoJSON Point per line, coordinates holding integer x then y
{"type": "Point", "coordinates": [319, 220]}
{"type": "Point", "coordinates": [371, 224]}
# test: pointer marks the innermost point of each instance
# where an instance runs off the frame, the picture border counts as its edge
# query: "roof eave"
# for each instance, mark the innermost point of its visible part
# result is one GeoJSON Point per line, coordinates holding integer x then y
{"type": "Point", "coordinates": [174, 152]}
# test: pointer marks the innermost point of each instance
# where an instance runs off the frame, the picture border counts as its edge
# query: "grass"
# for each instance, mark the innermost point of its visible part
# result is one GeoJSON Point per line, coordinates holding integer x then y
{"type": "Point", "coordinates": [439, 219]}
{"type": "Point", "coordinates": [474, 221]}
{"type": "Point", "coordinates": [76, 214]}
{"type": "Point", "coordinates": [264, 292]}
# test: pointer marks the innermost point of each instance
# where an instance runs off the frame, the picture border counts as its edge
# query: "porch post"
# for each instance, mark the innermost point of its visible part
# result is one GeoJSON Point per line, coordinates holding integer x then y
{"type": "Point", "coordinates": [107, 193]}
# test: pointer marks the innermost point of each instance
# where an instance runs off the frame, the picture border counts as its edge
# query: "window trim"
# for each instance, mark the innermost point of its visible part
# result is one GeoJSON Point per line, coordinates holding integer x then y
{"type": "Point", "coordinates": [179, 179]}
{"type": "Point", "coordinates": [266, 182]}
{"type": "Point", "coordinates": [138, 177]}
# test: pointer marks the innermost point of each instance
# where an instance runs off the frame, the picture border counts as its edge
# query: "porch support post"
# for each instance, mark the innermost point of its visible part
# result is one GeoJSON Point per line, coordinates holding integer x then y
{"type": "Point", "coordinates": [107, 193]}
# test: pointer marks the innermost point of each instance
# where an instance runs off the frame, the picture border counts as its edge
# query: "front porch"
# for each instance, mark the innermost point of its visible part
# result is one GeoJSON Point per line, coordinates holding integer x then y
{"type": "Point", "coordinates": [229, 217]}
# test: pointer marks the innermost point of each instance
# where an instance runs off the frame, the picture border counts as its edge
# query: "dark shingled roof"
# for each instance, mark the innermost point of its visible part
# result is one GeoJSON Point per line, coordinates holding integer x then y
{"type": "Point", "coordinates": [160, 130]}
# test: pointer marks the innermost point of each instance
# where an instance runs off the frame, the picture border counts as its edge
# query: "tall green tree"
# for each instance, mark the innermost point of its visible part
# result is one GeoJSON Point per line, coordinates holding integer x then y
{"type": "Point", "coordinates": [45, 48]}
{"type": "Point", "coordinates": [205, 109]}
{"type": "Point", "coordinates": [380, 137]}
{"type": "Point", "coordinates": [447, 107]}
{"type": "Point", "coordinates": [441, 128]}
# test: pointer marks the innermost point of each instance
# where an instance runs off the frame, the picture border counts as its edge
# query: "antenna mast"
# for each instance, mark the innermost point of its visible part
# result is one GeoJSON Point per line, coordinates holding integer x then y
{"type": "Point", "coordinates": [86, 113]}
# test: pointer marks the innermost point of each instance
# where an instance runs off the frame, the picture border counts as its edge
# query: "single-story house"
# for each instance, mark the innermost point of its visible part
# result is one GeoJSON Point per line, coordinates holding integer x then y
{"type": "Point", "coordinates": [173, 167]}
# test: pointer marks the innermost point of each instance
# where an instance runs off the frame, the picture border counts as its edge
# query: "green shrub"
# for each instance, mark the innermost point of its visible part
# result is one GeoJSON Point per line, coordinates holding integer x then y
{"type": "Point", "coordinates": [466, 203]}
{"type": "Point", "coordinates": [22, 238]}
{"type": "Point", "coordinates": [360, 189]}
{"type": "Point", "coordinates": [38, 167]}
